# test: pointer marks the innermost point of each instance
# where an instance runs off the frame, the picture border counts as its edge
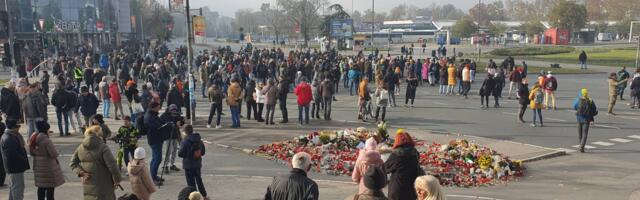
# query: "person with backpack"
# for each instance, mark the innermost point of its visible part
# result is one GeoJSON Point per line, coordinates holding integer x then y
{"type": "Point", "coordinates": [550, 86]}
{"type": "Point", "coordinates": [191, 151]}
{"type": "Point", "coordinates": [536, 98]}
{"type": "Point", "coordinates": [523, 94]}
{"type": "Point", "coordinates": [59, 100]}
{"type": "Point", "coordinates": [139, 177]}
{"type": "Point", "coordinates": [586, 110]}
{"type": "Point", "coordinates": [46, 168]}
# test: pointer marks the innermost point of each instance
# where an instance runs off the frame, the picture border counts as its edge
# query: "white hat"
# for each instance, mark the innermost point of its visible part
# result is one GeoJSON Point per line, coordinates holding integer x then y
{"type": "Point", "coordinates": [140, 153]}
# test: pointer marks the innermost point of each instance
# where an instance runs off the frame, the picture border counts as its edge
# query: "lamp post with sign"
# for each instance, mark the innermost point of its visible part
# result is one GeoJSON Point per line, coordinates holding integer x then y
{"type": "Point", "coordinates": [10, 39]}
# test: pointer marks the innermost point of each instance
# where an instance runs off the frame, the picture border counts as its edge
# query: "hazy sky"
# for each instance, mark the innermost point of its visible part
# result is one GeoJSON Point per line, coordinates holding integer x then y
{"type": "Point", "coordinates": [228, 7]}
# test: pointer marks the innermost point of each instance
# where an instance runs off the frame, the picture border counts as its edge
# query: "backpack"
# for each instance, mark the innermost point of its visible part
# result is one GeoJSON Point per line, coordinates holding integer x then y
{"type": "Point", "coordinates": [539, 97]}
{"type": "Point", "coordinates": [142, 129]}
{"type": "Point", "coordinates": [384, 97]}
{"type": "Point", "coordinates": [585, 108]}
{"type": "Point", "coordinates": [197, 151]}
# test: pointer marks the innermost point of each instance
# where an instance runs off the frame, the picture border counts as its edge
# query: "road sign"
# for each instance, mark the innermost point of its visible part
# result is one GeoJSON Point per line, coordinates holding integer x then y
{"type": "Point", "coordinates": [41, 22]}
{"type": "Point", "coordinates": [100, 25]}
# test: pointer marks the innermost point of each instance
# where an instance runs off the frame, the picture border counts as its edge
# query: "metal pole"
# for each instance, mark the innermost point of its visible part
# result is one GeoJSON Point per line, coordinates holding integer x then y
{"type": "Point", "coordinates": [631, 33]}
{"type": "Point", "coordinates": [10, 38]}
{"type": "Point", "coordinates": [373, 22]}
{"type": "Point", "coordinates": [189, 57]}
{"type": "Point", "coordinates": [638, 54]}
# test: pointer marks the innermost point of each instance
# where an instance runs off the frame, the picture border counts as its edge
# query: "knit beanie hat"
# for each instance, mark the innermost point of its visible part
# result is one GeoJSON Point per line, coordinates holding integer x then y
{"type": "Point", "coordinates": [375, 179]}
{"type": "Point", "coordinates": [139, 153]}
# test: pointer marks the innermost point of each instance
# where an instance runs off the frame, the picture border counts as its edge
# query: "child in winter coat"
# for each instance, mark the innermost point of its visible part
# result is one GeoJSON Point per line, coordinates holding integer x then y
{"type": "Point", "coordinates": [139, 177]}
{"type": "Point", "coordinates": [369, 156]}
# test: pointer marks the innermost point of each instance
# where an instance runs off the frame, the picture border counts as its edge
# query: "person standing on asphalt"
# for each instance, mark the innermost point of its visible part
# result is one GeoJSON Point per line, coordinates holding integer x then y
{"type": "Point", "coordinates": [317, 99]}
{"type": "Point", "coordinates": [635, 91]}
{"type": "Point", "coordinates": [466, 81]}
{"type": "Point", "coordinates": [303, 91]}
{"type": "Point", "coordinates": [403, 166]}
{"type": "Point", "coordinates": [550, 86]}
{"type": "Point", "coordinates": [363, 97]}
{"type": "Point", "coordinates": [586, 110]}
{"type": "Point", "coordinates": [296, 184]}
{"type": "Point", "coordinates": [44, 80]}
{"type": "Point", "coordinates": [515, 78]}
{"type": "Point", "coordinates": [523, 94]}
{"type": "Point", "coordinates": [374, 180]}
{"type": "Point", "coordinates": [191, 151]}
{"type": "Point", "coordinates": [326, 90]}
{"type": "Point", "coordinates": [127, 137]}
{"type": "Point", "coordinates": [486, 90]}
{"type": "Point", "coordinates": [14, 158]}
{"type": "Point", "coordinates": [443, 80]}
{"type": "Point", "coordinates": [234, 96]}
{"type": "Point", "coordinates": [271, 95]}
{"type": "Point", "coordinates": [215, 98]}
{"type": "Point", "coordinates": [141, 183]}
{"type": "Point", "coordinates": [88, 104]}
{"type": "Point", "coordinates": [613, 91]}
{"type": "Point", "coordinates": [535, 98]}
{"type": "Point", "coordinates": [46, 169]}
{"type": "Point", "coordinates": [34, 104]}
{"type": "Point", "coordinates": [391, 79]}
{"type": "Point", "coordinates": [368, 157]}
{"type": "Point", "coordinates": [250, 101]}
{"type": "Point", "coordinates": [283, 90]}
{"type": "Point", "coordinates": [622, 75]}
{"type": "Point", "coordinates": [451, 79]}
{"type": "Point", "coordinates": [105, 96]}
{"type": "Point", "coordinates": [116, 98]}
{"type": "Point", "coordinates": [74, 118]}
{"type": "Point", "coordinates": [382, 100]}
{"type": "Point", "coordinates": [10, 102]}
{"type": "Point", "coordinates": [583, 60]}
{"type": "Point", "coordinates": [59, 99]}
{"type": "Point", "coordinates": [428, 188]}
{"type": "Point", "coordinates": [95, 165]}
{"type": "Point", "coordinates": [156, 132]}
{"type": "Point", "coordinates": [412, 86]}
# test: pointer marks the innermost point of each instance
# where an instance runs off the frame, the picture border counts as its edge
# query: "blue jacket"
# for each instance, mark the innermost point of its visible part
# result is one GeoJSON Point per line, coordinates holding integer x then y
{"type": "Point", "coordinates": [353, 74]}
{"type": "Point", "coordinates": [187, 148]}
{"type": "Point", "coordinates": [157, 132]}
{"type": "Point", "coordinates": [104, 61]}
{"type": "Point", "coordinates": [14, 155]}
{"type": "Point", "coordinates": [584, 118]}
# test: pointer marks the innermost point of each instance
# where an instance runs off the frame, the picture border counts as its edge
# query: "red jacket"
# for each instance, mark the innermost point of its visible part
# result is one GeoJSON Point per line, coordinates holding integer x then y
{"type": "Point", "coordinates": [114, 91]}
{"type": "Point", "coordinates": [303, 91]}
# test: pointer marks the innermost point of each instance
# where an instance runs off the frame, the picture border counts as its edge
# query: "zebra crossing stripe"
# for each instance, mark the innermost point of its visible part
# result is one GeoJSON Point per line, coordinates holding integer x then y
{"type": "Point", "coordinates": [634, 136]}
{"type": "Point", "coordinates": [585, 146]}
{"type": "Point", "coordinates": [620, 140]}
{"type": "Point", "coordinates": [603, 143]}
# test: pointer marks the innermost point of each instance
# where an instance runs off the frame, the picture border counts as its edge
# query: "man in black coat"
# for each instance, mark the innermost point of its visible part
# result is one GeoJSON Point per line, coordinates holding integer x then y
{"type": "Point", "coordinates": [87, 104]}
{"type": "Point", "coordinates": [157, 130]}
{"type": "Point", "coordinates": [296, 184]}
{"type": "Point", "coordinates": [191, 151]}
{"type": "Point", "coordinates": [9, 101]}
{"type": "Point", "coordinates": [283, 89]}
{"type": "Point", "coordinates": [14, 158]}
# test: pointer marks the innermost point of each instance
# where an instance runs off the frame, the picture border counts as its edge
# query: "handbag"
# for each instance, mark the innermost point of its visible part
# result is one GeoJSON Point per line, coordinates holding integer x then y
{"type": "Point", "coordinates": [137, 107]}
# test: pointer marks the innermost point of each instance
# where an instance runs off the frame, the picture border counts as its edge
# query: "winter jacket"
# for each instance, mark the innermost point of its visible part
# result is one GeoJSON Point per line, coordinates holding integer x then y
{"type": "Point", "coordinates": [452, 75]}
{"type": "Point", "coordinates": [635, 87]}
{"type": "Point", "coordinates": [366, 157]}
{"type": "Point", "coordinates": [613, 86]}
{"type": "Point", "coordinates": [60, 99]}
{"type": "Point", "coordinates": [382, 100]}
{"type": "Point", "coordinates": [141, 183]}
{"type": "Point", "coordinates": [46, 167]}
{"type": "Point", "coordinates": [271, 94]}
{"type": "Point", "coordinates": [487, 87]}
{"type": "Point", "coordinates": [532, 97]}
{"type": "Point", "coordinates": [35, 105]}
{"type": "Point", "coordinates": [576, 106]}
{"type": "Point", "coordinates": [293, 186]}
{"type": "Point", "coordinates": [391, 80]}
{"type": "Point", "coordinates": [154, 125]}
{"type": "Point", "coordinates": [303, 91]}
{"type": "Point", "coordinates": [326, 89]}
{"type": "Point", "coordinates": [215, 96]}
{"type": "Point", "coordinates": [404, 168]}
{"type": "Point", "coordinates": [103, 89]}
{"type": "Point", "coordinates": [174, 97]}
{"type": "Point", "coordinates": [88, 104]}
{"type": "Point", "coordinates": [500, 82]}
{"type": "Point", "coordinates": [466, 75]}
{"type": "Point", "coordinates": [259, 97]}
{"type": "Point", "coordinates": [94, 157]}
{"type": "Point", "coordinates": [114, 92]}
{"type": "Point", "coordinates": [523, 93]}
{"type": "Point", "coordinates": [188, 147]}
{"type": "Point", "coordinates": [248, 92]}
{"type": "Point", "coordinates": [14, 155]}
{"type": "Point", "coordinates": [550, 84]}
{"type": "Point", "coordinates": [10, 103]}
{"type": "Point", "coordinates": [234, 94]}
{"type": "Point", "coordinates": [443, 76]}
{"type": "Point", "coordinates": [412, 86]}
{"type": "Point", "coordinates": [515, 76]}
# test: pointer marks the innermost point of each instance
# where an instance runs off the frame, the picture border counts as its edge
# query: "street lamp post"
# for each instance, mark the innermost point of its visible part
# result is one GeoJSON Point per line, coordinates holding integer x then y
{"type": "Point", "coordinates": [373, 22]}
{"type": "Point", "coordinates": [10, 38]}
{"type": "Point", "coordinates": [631, 38]}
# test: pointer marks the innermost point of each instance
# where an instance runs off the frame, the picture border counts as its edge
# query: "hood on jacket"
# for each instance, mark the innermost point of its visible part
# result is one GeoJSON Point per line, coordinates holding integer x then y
{"type": "Point", "coordinates": [371, 144]}
{"type": "Point", "coordinates": [194, 137]}
{"type": "Point", "coordinates": [136, 167]}
{"type": "Point", "coordinates": [91, 142]}
{"type": "Point", "coordinates": [5, 91]}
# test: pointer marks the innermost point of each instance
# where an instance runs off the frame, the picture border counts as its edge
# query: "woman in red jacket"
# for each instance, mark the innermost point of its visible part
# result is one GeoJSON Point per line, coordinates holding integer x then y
{"type": "Point", "coordinates": [116, 99]}
{"type": "Point", "coordinates": [303, 91]}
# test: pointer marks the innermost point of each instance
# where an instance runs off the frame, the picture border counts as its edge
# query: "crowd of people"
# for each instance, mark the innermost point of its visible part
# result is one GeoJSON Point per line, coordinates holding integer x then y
{"type": "Point", "coordinates": [251, 78]}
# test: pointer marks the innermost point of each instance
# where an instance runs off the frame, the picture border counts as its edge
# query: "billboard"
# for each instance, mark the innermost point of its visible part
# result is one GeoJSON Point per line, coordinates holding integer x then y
{"type": "Point", "coordinates": [199, 28]}
{"type": "Point", "coordinates": [124, 16]}
{"type": "Point", "coordinates": [342, 28]}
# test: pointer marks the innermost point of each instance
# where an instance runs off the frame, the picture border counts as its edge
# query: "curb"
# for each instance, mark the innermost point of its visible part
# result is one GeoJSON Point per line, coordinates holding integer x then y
{"type": "Point", "coordinates": [244, 150]}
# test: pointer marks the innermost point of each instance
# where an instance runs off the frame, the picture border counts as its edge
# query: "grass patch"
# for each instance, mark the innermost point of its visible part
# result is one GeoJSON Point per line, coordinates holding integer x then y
{"type": "Point", "coordinates": [536, 69]}
{"type": "Point", "coordinates": [3, 81]}
{"type": "Point", "coordinates": [530, 51]}
{"type": "Point", "coordinates": [598, 56]}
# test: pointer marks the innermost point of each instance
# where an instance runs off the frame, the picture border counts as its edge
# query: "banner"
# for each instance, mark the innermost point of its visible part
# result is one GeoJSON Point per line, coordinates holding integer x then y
{"type": "Point", "coordinates": [342, 28]}
{"type": "Point", "coordinates": [199, 29]}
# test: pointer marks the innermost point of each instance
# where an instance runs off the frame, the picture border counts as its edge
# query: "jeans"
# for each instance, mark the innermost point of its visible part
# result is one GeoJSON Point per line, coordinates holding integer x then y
{"type": "Point", "coordinates": [550, 95]}
{"type": "Point", "coordinates": [194, 179]}
{"type": "Point", "coordinates": [460, 86]}
{"type": "Point", "coordinates": [466, 86]}
{"type": "Point", "coordinates": [392, 98]}
{"type": "Point", "coordinates": [45, 193]}
{"type": "Point", "coordinates": [621, 91]}
{"type": "Point", "coordinates": [583, 132]}
{"type": "Point", "coordinates": [315, 109]}
{"type": "Point", "coordinates": [16, 186]}
{"type": "Point", "coordinates": [106, 105]}
{"type": "Point", "coordinates": [235, 116]}
{"type": "Point", "coordinates": [31, 125]}
{"type": "Point", "coordinates": [537, 111]}
{"type": "Point", "coordinates": [63, 115]}
{"type": "Point", "coordinates": [305, 109]}
{"type": "Point", "coordinates": [216, 109]}
{"type": "Point", "coordinates": [271, 110]}
{"type": "Point", "coordinates": [450, 89]}
{"type": "Point", "coordinates": [583, 65]}
{"type": "Point", "coordinates": [354, 84]}
{"type": "Point", "coordinates": [204, 88]}
{"type": "Point", "coordinates": [327, 107]}
{"type": "Point", "coordinates": [74, 119]}
{"type": "Point", "coordinates": [473, 75]}
{"type": "Point", "coordinates": [128, 152]}
{"type": "Point", "coordinates": [511, 84]}
{"type": "Point", "coordinates": [283, 108]}
{"type": "Point", "coordinates": [170, 155]}
{"type": "Point", "coordinates": [156, 158]}
{"type": "Point", "coordinates": [443, 89]}
{"type": "Point", "coordinates": [384, 112]}
{"type": "Point", "coordinates": [345, 80]}
{"type": "Point", "coordinates": [252, 105]}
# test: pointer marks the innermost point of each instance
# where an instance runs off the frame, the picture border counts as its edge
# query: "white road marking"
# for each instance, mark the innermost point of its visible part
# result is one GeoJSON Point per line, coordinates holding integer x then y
{"type": "Point", "coordinates": [585, 146]}
{"type": "Point", "coordinates": [605, 126]}
{"type": "Point", "coordinates": [625, 117]}
{"type": "Point", "coordinates": [508, 113]}
{"type": "Point", "coordinates": [606, 144]}
{"type": "Point", "coordinates": [621, 140]}
{"type": "Point", "coordinates": [566, 150]}
{"type": "Point", "coordinates": [634, 136]}
{"type": "Point", "coordinates": [438, 103]}
{"type": "Point", "coordinates": [554, 119]}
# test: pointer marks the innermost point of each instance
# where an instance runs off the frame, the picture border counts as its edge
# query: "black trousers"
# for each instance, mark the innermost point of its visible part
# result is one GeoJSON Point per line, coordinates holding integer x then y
{"type": "Point", "coordinates": [315, 109]}
{"type": "Point", "coordinates": [523, 108]}
{"type": "Point", "coordinates": [194, 179]}
{"type": "Point", "coordinates": [484, 99]}
{"type": "Point", "coordinates": [252, 105]}
{"type": "Point", "coordinates": [260, 108]}
{"type": "Point", "coordinates": [45, 193]}
{"type": "Point", "coordinates": [283, 107]}
{"type": "Point", "coordinates": [384, 112]}
{"type": "Point", "coordinates": [327, 107]}
{"type": "Point", "coordinates": [583, 132]}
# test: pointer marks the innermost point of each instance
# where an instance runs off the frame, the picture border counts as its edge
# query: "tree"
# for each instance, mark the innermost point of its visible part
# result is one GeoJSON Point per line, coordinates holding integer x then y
{"type": "Point", "coordinates": [398, 13]}
{"type": "Point", "coordinates": [532, 27]}
{"type": "Point", "coordinates": [497, 29]}
{"type": "Point", "coordinates": [448, 11]}
{"type": "Point", "coordinates": [464, 27]}
{"type": "Point", "coordinates": [495, 11]}
{"type": "Point", "coordinates": [273, 17]}
{"type": "Point", "coordinates": [568, 15]}
{"type": "Point", "coordinates": [337, 12]}
{"type": "Point", "coordinates": [303, 13]}
{"type": "Point", "coordinates": [479, 14]}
